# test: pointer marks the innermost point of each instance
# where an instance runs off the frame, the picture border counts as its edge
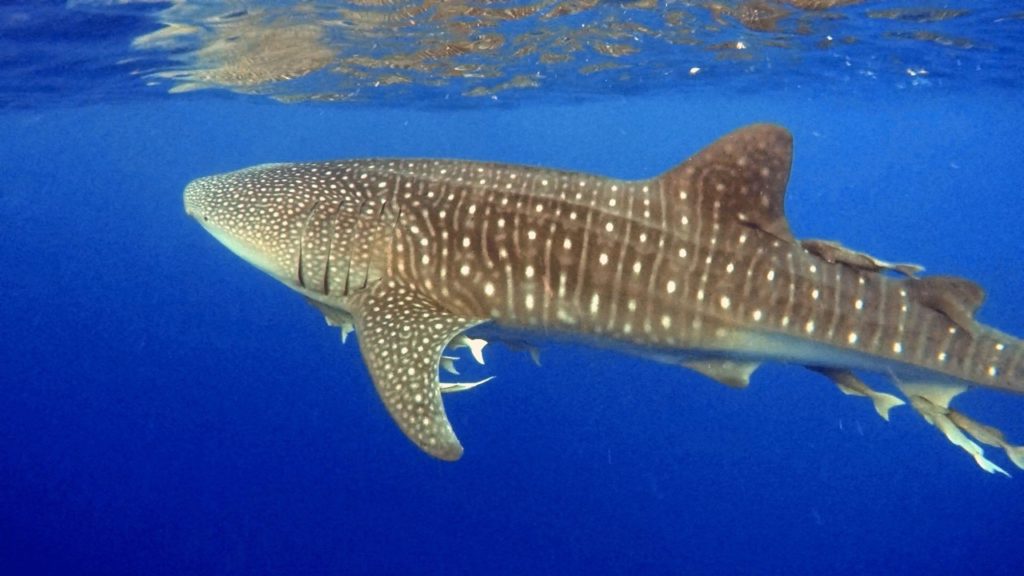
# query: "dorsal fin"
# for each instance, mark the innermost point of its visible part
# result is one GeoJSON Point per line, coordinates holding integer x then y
{"type": "Point", "coordinates": [742, 175]}
{"type": "Point", "coordinates": [957, 298]}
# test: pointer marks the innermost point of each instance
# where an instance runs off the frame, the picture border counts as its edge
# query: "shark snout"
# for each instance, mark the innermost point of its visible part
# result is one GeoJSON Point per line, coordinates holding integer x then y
{"type": "Point", "coordinates": [192, 198]}
{"type": "Point", "coordinates": [233, 211]}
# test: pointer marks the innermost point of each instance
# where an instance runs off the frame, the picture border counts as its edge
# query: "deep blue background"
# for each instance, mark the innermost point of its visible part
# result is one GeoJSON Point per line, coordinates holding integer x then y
{"type": "Point", "coordinates": [167, 409]}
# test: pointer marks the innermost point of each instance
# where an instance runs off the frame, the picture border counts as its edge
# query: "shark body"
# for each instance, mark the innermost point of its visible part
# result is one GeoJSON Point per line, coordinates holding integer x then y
{"type": "Point", "coordinates": [696, 266]}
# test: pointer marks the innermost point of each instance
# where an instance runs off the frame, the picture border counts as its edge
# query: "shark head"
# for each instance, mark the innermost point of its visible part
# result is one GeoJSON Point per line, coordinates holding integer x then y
{"type": "Point", "coordinates": [322, 229]}
{"type": "Point", "coordinates": [246, 212]}
{"type": "Point", "coordinates": [329, 231]}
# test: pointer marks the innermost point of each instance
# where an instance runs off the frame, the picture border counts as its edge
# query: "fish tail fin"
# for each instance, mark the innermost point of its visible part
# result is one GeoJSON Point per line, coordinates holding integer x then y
{"type": "Point", "coordinates": [931, 400]}
{"type": "Point", "coordinates": [1016, 455]}
{"type": "Point", "coordinates": [849, 384]}
{"type": "Point", "coordinates": [884, 403]}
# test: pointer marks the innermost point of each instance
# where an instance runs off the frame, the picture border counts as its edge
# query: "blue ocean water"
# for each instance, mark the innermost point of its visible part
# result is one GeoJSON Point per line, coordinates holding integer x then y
{"type": "Point", "coordinates": [168, 409]}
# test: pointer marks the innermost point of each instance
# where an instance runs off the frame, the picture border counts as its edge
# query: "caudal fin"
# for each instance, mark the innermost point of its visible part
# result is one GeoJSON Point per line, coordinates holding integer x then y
{"type": "Point", "coordinates": [1016, 454]}
{"type": "Point", "coordinates": [884, 402]}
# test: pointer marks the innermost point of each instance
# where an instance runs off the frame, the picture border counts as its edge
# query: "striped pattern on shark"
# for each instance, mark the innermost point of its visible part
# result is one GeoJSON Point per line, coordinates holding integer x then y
{"type": "Point", "coordinates": [696, 266]}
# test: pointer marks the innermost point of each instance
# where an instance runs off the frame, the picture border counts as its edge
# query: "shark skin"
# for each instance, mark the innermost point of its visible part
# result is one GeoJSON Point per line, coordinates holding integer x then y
{"type": "Point", "coordinates": [696, 267]}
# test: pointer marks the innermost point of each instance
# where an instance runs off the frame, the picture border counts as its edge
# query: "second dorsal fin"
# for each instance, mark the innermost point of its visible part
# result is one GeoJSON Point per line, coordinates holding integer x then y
{"type": "Point", "coordinates": [956, 298]}
{"type": "Point", "coordinates": [742, 176]}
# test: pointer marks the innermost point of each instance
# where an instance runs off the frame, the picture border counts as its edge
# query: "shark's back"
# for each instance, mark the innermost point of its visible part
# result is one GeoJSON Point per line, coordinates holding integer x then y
{"type": "Point", "coordinates": [700, 259]}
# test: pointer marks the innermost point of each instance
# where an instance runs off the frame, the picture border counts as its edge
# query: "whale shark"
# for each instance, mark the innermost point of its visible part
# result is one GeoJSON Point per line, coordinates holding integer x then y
{"type": "Point", "coordinates": [696, 267]}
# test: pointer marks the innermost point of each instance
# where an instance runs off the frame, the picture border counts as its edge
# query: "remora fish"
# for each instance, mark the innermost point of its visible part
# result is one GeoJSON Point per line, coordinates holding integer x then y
{"type": "Point", "coordinates": [697, 267]}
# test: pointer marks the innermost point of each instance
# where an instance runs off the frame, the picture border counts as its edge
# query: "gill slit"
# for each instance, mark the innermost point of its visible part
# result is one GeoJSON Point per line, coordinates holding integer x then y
{"type": "Point", "coordinates": [302, 242]}
{"type": "Point", "coordinates": [330, 249]}
{"type": "Point", "coordinates": [354, 244]}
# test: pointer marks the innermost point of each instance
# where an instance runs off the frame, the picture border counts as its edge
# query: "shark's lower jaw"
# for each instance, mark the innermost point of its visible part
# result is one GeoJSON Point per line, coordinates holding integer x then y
{"type": "Point", "coordinates": [250, 253]}
{"type": "Point", "coordinates": [696, 267]}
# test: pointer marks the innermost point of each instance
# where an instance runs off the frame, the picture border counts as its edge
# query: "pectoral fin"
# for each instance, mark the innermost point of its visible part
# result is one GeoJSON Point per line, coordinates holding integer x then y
{"type": "Point", "coordinates": [401, 335]}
